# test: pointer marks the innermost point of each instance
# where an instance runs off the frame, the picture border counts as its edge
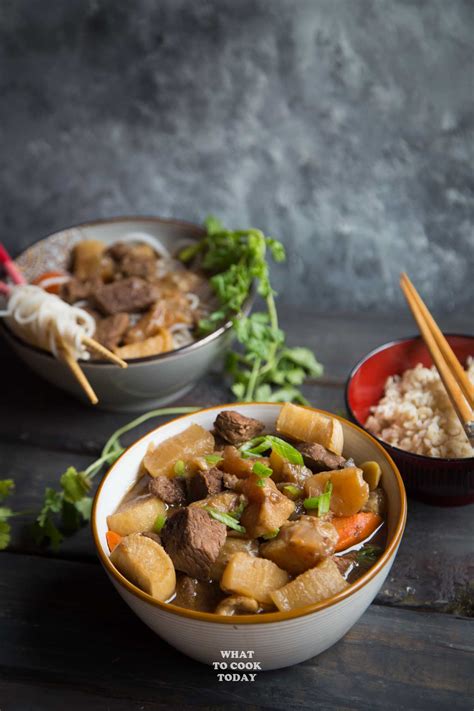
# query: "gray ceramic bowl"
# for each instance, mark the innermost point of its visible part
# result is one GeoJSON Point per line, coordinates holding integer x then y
{"type": "Point", "coordinates": [147, 382]}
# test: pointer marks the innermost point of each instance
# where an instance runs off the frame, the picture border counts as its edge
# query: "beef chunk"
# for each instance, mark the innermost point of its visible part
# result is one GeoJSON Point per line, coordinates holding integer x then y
{"type": "Point", "coordinates": [132, 294]}
{"type": "Point", "coordinates": [109, 330]}
{"type": "Point", "coordinates": [236, 428]}
{"type": "Point", "coordinates": [118, 251]}
{"type": "Point", "coordinates": [193, 540]}
{"type": "Point", "coordinates": [320, 459]}
{"type": "Point", "coordinates": [171, 491]}
{"type": "Point", "coordinates": [138, 264]}
{"type": "Point", "coordinates": [204, 484]}
{"type": "Point", "coordinates": [230, 481]}
{"type": "Point", "coordinates": [154, 536]}
{"type": "Point", "coordinates": [75, 290]}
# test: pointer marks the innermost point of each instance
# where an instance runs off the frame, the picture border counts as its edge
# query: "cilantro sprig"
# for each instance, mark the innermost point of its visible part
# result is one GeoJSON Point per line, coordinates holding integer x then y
{"type": "Point", "coordinates": [7, 487]}
{"type": "Point", "coordinates": [265, 368]}
{"type": "Point", "coordinates": [66, 509]}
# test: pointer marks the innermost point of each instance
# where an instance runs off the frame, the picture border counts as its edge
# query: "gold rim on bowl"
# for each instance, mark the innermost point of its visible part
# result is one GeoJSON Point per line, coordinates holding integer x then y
{"type": "Point", "coordinates": [267, 617]}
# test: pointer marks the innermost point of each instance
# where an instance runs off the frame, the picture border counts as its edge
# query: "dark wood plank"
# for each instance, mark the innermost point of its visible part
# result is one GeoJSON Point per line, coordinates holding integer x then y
{"type": "Point", "coordinates": [66, 633]}
{"type": "Point", "coordinates": [433, 569]}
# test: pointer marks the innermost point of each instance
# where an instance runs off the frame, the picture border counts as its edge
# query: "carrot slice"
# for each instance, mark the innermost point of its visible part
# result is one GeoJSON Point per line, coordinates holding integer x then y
{"type": "Point", "coordinates": [355, 529]}
{"type": "Point", "coordinates": [113, 539]}
{"type": "Point", "coordinates": [52, 288]}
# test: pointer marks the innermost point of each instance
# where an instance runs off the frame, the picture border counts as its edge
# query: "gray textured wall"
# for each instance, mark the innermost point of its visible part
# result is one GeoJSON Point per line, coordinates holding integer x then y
{"type": "Point", "coordinates": [344, 127]}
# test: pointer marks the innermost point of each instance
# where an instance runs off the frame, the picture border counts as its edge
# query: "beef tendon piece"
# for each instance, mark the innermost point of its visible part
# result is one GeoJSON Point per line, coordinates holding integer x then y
{"type": "Point", "coordinates": [253, 577]}
{"type": "Point", "coordinates": [170, 490]}
{"type": "Point", "coordinates": [225, 502]}
{"type": "Point", "coordinates": [301, 544]}
{"type": "Point", "coordinates": [197, 594]}
{"type": "Point", "coordinates": [230, 547]}
{"type": "Point", "coordinates": [145, 563]}
{"type": "Point", "coordinates": [315, 585]}
{"type": "Point", "coordinates": [136, 516]}
{"type": "Point", "coordinates": [306, 425]}
{"type": "Point", "coordinates": [268, 508]}
{"type": "Point", "coordinates": [140, 261]}
{"type": "Point", "coordinates": [236, 428]}
{"type": "Point", "coordinates": [87, 259]}
{"type": "Point", "coordinates": [283, 470]}
{"type": "Point", "coordinates": [161, 343]}
{"type": "Point", "coordinates": [237, 605]}
{"type": "Point", "coordinates": [320, 459]}
{"type": "Point", "coordinates": [130, 295]}
{"type": "Point", "coordinates": [109, 330]}
{"type": "Point", "coordinates": [193, 540]}
{"type": "Point", "coordinates": [205, 483]}
{"type": "Point", "coordinates": [349, 490]}
{"type": "Point", "coordinates": [233, 462]}
{"type": "Point", "coordinates": [194, 441]}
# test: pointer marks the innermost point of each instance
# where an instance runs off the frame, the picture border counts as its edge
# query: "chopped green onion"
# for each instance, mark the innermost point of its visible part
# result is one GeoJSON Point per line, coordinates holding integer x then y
{"type": "Point", "coordinates": [237, 513]}
{"type": "Point", "coordinates": [213, 458]}
{"type": "Point", "coordinates": [159, 523]}
{"type": "Point", "coordinates": [255, 446]}
{"type": "Point", "coordinates": [292, 490]}
{"type": "Point", "coordinates": [262, 471]}
{"type": "Point", "coordinates": [272, 534]}
{"type": "Point", "coordinates": [261, 444]}
{"type": "Point", "coordinates": [320, 502]}
{"type": "Point", "coordinates": [368, 554]}
{"type": "Point", "coordinates": [224, 518]}
{"type": "Point", "coordinates": [180, 468]}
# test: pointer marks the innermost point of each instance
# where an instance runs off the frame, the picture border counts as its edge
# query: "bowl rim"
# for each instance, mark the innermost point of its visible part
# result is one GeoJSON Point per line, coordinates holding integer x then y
{"type": "Point", "coordinates": [397, 450]}
{"type": "Point", "coordinates": [182, 350]}
{"type": "Point", "coordinates": [268, 617]}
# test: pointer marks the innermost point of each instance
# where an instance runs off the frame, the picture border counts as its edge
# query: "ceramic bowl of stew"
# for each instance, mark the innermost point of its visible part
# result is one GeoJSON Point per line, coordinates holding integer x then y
{"type": "Point", "coordinates": [147, 382]}
{"type": "Point", "coordinates": [275, 639]}
{"type": "Point", "coordinates": [434, 480]}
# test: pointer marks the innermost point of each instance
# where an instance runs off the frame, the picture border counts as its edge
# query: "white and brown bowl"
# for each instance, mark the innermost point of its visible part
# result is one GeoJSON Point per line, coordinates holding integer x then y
{"type": "Point", "coordinates": [147, 382]}
{"type": "Point", "coordinates": [277, 639]}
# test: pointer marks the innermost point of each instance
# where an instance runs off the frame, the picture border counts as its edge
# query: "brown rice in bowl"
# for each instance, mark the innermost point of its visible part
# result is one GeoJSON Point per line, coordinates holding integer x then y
{"type": "Point", "coordinates": [416, 415]}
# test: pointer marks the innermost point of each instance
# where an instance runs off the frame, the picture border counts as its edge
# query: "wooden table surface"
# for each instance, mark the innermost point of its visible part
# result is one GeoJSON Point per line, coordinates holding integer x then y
{"type": "Point", "coordinates": [69, 642]}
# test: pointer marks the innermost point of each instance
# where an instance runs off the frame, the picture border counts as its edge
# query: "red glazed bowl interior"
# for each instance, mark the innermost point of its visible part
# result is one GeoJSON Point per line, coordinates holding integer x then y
{"type": "Point", "coordinates": [447, 482]}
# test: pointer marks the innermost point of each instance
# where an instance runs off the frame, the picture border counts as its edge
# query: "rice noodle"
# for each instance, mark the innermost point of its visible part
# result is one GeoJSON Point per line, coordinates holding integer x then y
{"type": "Point", "coordinates": [194, 300]}
{"type": "Point", "coordinates": [53, 281]}
{"type": "Point", "coordinates": [148, 239]}
{"type": "Point", "coordinates": [181, 335]}
{"type": "Point", "coordinates": [39, 317]}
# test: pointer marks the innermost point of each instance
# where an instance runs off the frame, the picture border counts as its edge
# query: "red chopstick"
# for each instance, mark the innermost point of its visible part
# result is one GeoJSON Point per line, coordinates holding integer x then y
{"type": "Point", "coordinates": [10, 267]}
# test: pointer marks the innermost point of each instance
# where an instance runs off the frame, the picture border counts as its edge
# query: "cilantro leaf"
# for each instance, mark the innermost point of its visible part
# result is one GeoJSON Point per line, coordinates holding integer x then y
{"type": "Point", "coordinates": [6, 488]}
{"type": "Point", "coordinates": [5, 534]}
{"type": "Point", "coordinates": [75, 485]}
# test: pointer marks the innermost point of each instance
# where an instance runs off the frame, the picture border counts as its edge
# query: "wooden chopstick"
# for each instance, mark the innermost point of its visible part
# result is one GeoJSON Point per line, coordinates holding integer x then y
{"type": "Point", "coordinates": [75, 369]}
{"type": "Point", "coordinates": [447, 372]}
{"type": "Point", "coordinates": [448, 353]}
{"type": "Point", "coordinates": [103, 351]}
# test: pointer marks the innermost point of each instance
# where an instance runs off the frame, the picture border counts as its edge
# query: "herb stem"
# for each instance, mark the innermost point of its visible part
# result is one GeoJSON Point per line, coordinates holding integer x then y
{"type": "Point", "coordinates": [111, 442]}
{"type": "Point", "coordinates": [252, 380]}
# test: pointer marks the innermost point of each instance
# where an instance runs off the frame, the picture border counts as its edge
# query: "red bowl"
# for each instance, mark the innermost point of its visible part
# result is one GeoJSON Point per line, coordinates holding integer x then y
{"type": "Point", "coordinates": [444, 482]}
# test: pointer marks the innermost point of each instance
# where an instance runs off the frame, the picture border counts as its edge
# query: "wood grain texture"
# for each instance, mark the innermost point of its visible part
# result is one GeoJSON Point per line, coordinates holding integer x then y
{"type": "Point", "coordinates": [66, 631]}
{"type": "Point", "coordinates": [68, 640]}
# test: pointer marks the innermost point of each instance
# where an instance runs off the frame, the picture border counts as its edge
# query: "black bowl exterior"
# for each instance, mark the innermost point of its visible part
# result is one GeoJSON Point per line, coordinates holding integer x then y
{"type": "Point", "coordinates": [448, 482]}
